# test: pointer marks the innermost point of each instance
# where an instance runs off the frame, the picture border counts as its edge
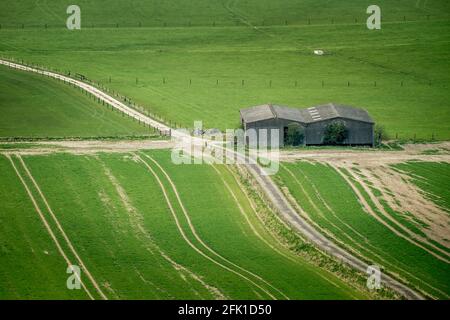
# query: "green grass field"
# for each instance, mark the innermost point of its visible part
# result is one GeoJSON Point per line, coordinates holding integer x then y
{"type": "Point", "coordinates": [330, 203]}
{"type": "Point", "coordinates": [34, 106]}
{"type": "Point", "coordinates": [195, 73]}
{"type": "Point", "coordinates": [144, 228]}
{"type": "Point", "coordinates": [115, 214]}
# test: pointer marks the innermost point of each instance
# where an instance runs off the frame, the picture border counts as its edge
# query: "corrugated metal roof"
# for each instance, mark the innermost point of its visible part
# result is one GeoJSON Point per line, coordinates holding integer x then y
{"type": "Point", "coordinates": [353, 113]}
{"type": "Point", "coordinates": [257, 113]}
{"type": "Point", "coordinates": [288, 113]}
{"type": "Point", "coordinates": [309, 115]}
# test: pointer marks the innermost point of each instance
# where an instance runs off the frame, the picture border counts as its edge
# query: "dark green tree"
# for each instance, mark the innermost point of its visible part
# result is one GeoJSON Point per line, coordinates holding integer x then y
{"type": "Point", "coordinates": [295, 134]}
{"type": "Point", "coordinates": [335, 133]}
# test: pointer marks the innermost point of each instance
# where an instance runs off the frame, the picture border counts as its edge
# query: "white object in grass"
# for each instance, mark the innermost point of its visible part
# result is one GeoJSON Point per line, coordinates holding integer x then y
{"type": "Point", "coordinates": [318, 52]}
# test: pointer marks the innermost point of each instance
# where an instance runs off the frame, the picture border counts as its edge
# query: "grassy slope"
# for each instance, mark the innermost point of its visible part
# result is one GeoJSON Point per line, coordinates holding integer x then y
{"type": "Point", "coordinates": [413, 52]}
{"type": "Point", "coordinates": [432, 178]}
{"type": "Point", "coordinates": [34, 106]}
{"type": "Point", "coordinates": [121, 242]}
{"type": "Point", "coordinates": [349, 223]}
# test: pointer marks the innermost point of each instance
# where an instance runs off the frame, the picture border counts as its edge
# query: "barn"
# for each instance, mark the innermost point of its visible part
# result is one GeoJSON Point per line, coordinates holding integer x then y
{"type": "Point", "coordinates": [313, 122]}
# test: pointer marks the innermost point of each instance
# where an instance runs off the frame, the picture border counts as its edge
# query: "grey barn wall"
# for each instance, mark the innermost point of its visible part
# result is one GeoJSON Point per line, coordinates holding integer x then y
{"type": "Point", "coordinates": [270, 124]}
{"type": "Point", "coordinates": [359, 132]}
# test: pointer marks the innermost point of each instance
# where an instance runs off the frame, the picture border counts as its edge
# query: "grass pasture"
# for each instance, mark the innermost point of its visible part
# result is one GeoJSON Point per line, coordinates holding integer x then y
{"type": "Point", "coordinates": [33, 106]}
{"type": "Point", "coordinates": [330, 203]}
{"type": "Point", "coordinates": [115, 213]}
{"type": "Point", "coordinates": [208, 73]}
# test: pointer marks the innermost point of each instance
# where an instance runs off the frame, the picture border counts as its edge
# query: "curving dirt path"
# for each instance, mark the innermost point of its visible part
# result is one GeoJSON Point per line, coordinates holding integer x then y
{"type": "Point", "coordinates": [301, 225]}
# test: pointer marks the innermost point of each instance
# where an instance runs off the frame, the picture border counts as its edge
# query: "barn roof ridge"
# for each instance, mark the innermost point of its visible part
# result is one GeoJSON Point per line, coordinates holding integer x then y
{"type": "Point", "coordinates": [272, 110]}
{"type": "Point", "coordinates": [312, 114]}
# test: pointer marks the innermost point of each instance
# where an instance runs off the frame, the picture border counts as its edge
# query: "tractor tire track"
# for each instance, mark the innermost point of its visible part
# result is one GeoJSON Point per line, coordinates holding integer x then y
{"type": "Point", "coordinates": [63, 233]}
{"type": "Point", "coordinates": [191, 226]}
{"type": "Point", "coordinates": [411, 235]}
{"type": "Point", "coordinates": [355, 243]}
{"type": "Point", "coordinates": [46, 225]}
{"type": "Point", "coordinates": [374, 215]}
{"type": "Point", "coordinates": [136, 219]}
{"type": "Point", "coordinates": [252, 226]}
{"type": "Point", "coordinates": [189, 242]}
{"type": "Point", "coordinates": [319, 212]}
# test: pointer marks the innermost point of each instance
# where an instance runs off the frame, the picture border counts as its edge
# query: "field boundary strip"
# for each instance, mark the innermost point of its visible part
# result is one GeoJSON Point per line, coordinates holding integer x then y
{"type": "Point", "coordinates": [331, 234]}
{"type": "Point", "coordinates": [242, 210]}
{"type": "Point", "coordinates": [46, 224]}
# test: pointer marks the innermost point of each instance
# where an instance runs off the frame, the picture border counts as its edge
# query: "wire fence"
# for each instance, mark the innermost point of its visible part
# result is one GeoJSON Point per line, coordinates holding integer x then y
{"type": "Point", "coordinates": [124, 99]}
{"type": "Point", "coordinates": [268, 22]}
